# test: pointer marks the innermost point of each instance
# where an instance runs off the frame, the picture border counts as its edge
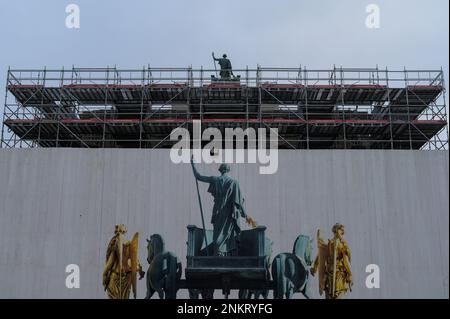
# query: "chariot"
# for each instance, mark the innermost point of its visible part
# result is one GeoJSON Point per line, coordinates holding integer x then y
{"type": "Point", "coordinates": [248, 269]}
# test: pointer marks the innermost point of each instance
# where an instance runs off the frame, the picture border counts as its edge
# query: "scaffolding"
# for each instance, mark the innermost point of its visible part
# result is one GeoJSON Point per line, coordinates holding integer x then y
{"type": "Point", "coordinates": [338, 108]}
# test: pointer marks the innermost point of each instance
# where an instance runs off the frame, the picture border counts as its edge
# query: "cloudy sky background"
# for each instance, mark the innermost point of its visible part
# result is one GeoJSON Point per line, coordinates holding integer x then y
{"type": "Point", "coordinates": [179, 33]}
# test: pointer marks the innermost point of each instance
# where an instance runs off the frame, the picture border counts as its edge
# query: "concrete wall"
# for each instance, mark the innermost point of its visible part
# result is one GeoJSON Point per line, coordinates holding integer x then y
{"type": "Point", "coordinates": [59, 206]}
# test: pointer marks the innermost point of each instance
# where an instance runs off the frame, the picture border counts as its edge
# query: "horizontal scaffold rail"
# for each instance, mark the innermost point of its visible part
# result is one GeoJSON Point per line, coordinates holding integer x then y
{"type": "Point", "coordinates": [248, 76]}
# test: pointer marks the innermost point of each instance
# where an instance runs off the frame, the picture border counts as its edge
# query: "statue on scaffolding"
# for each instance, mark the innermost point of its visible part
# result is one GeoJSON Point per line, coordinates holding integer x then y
{"type": "Point", "coordinates": [226, 70]}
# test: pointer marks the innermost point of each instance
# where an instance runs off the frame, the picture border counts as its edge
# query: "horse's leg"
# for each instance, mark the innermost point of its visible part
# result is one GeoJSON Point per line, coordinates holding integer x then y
{"type": "Point", "coordinates": [290, 291]}
{"type": "Point", "coordinates": [160, 293]}
{"type": "Point", "coordinates": [244, 294]}
{"type": "Point", "coordinates": [208, 294]}
{"type": "Point", "coordinates": [170, 283]}
{"type": "Point", "coordinates": [160, 289]}
{"type": "Point", "coordinates": [279, 274]}
{"type": "Point", "coordinates": [193, 293]}
{"type": "Point", "coordinates": [261, 293]}
{"type": "Point", "coordinates": [307, 289]}
{"type": "Point", "coordinates": [150, 290]}
{"type": "Point", "coordinates": [150, 293]}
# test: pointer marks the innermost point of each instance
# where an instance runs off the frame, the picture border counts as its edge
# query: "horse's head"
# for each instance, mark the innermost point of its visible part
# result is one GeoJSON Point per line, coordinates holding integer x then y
{"type": "Point", "coordinates": [303, 248]}
{"type": "Point", "coordinates": [155, 246]}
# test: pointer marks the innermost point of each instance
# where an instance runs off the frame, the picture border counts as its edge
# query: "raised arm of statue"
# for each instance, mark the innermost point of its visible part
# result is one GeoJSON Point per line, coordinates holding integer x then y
{"type": "Point", "coordinates": [198, 176]}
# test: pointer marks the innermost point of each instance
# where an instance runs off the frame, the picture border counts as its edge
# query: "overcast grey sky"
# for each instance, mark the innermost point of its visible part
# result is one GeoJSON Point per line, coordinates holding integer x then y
{"type": "Point", "coordinates": [284, 33]}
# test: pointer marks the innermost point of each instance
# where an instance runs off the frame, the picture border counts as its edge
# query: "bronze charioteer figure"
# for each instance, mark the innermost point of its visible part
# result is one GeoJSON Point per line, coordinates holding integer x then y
{"type": "Point", "coordinates": [226, 70]}
{"type": "Point", "coordinates": [228, 208]}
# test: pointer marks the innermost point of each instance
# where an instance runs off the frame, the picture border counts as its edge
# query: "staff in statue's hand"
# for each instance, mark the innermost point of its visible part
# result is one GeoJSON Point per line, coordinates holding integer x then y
{"type": "Point", "coordinates": [214, 59]}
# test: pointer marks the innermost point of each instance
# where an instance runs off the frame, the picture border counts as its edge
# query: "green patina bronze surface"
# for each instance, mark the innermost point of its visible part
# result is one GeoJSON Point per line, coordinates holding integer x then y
{"type": "Point", "coordinates": [228, 207]}
{"type": "Point", "coordinates": [226, 70]}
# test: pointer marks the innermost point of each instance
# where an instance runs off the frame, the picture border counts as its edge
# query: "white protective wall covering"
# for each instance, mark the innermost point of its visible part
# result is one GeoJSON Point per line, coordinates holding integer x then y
{"type": "Point", "coordinates": [59, 206]}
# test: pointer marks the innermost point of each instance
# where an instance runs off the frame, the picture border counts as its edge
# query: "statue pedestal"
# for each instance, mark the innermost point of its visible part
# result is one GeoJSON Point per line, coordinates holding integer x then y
{"type": "Point", "coordinates": [235, 79]}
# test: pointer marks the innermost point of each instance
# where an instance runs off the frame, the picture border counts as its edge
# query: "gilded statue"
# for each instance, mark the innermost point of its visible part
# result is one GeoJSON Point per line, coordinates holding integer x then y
{"type": "Point", "coordinates": [122, 265]}
{"type": "Point", "coordinates": [333, 264]}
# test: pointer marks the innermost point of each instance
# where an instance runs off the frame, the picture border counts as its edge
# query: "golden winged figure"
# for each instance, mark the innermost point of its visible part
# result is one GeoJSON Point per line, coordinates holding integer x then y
{"type": "Point", "coordinates": [333, 264]}
{"type": "Point", "coordinates": [122, 264]}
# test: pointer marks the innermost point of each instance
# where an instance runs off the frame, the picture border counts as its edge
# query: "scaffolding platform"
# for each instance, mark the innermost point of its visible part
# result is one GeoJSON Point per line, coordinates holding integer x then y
{"type": "Point", "coordinates": [312, 109]}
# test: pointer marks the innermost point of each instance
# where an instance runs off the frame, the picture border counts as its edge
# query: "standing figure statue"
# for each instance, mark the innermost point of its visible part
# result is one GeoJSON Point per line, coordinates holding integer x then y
{"type": "Point", "coordinates": [122, 264]}
{"type": "Point", "coordinates": [226, 70]}
{"type": "Point", "coordinates": [333, 264]}
{"type": "Point", "coordinates": [228, 207]}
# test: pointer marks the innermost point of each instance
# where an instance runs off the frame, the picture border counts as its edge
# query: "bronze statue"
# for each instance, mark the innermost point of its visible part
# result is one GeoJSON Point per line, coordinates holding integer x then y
{"type": "Point", "coordinates": [333, 264]}
{"type": "Point", "coordinates": [164, 269]}
{"type": "Point", "coordinates": [122, 263]}
{"type": "Point", "coordinates": [228, 207]}
{"type": "Point", "coordinates": [290, 271]}
{"type": "Point", "coordinates": [226, 70]}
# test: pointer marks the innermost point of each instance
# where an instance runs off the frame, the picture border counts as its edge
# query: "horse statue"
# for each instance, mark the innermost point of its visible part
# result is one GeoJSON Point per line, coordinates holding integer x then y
{"type": "Point", "coordinates": [290, 272]}
{"type": "Point", "coordinates": [164, 270]}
